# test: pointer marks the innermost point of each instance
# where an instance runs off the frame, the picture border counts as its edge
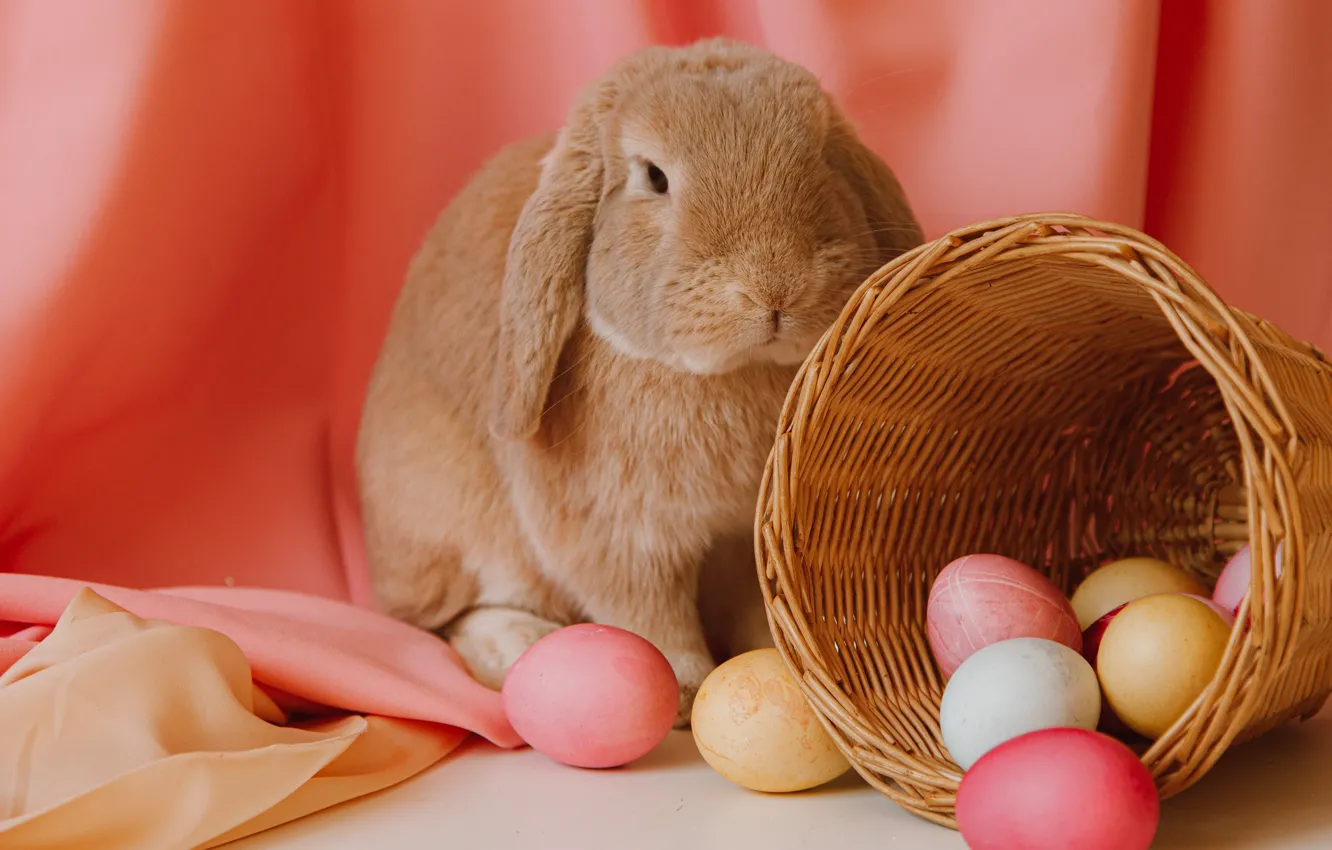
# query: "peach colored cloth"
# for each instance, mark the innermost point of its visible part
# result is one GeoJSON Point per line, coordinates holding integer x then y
{"type": "Point", "coordinates": [174, 745]}
{"type": "Point", "coordinates": [206, 209]}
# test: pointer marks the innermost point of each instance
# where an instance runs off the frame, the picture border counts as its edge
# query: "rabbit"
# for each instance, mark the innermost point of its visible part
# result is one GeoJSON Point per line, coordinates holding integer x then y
{"type": "Point", "coordinates": [581, 378]}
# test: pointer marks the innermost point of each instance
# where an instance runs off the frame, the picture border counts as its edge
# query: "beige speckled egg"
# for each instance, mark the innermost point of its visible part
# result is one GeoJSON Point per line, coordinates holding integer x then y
{"type": "Point", "coordinates": [754, 727]}
{"type": "Point", "coordinates": [1123, 581]}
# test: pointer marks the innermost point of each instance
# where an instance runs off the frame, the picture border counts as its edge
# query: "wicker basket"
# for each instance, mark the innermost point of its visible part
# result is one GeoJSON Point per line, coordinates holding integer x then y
{"type": "Point", "coordinates": [1062, 391]}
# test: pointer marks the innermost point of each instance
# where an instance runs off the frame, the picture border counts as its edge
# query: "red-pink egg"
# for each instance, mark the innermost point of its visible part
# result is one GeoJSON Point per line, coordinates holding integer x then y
{"type": "Point", "coordinates": [982, 599]}
{"type": "Point", "coordinates": [1056, 789]}
{"type": "Point", "coordinates": [592, 696]}
{"type": "Point", "coordinates": [1233, 583]}
{"type": "Point", "coordinates": [1091, 638]}
{"type": "Point", "coordinates": [1091, 644]}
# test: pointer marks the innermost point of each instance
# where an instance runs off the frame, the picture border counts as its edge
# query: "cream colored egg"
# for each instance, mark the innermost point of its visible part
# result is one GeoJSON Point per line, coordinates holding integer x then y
{"type": "Point", "coordinates": [753, 726]}
{"type": "Point", "coordinates": [1123, 581]}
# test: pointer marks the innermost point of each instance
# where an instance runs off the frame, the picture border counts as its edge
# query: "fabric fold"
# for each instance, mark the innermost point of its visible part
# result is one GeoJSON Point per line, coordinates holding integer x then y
{"type": "Point", "coordinates": [126, 732]}
{"type": "Point", "coordinates": [319, 651]}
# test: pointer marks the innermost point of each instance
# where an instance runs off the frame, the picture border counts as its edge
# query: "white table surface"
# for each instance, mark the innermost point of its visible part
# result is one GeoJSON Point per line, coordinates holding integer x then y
{"type": "Point", "coordinates": [1273, 793]}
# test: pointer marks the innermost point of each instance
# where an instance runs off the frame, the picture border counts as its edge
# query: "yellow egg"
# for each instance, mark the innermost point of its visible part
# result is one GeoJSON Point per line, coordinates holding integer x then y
{"type": "Point", "coordinates": [1156, 656]}
{"type": "Point", "coordinates": [1123, 581]}
{"type": "Point", "coordinates": [754, 727]}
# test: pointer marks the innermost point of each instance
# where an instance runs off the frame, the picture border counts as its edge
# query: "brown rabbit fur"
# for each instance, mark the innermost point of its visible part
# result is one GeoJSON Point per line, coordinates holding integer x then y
{"type": "Point", "coordinates": [582, 375]}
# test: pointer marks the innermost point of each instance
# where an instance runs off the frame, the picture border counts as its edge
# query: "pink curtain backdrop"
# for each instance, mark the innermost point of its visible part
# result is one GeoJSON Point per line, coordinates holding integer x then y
{"type": "Point", "coordinates": [206, 209]}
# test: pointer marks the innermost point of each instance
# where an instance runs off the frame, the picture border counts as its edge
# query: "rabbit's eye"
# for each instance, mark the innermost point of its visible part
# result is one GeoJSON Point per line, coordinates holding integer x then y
{"type": "Point", "coordinates": [657, 179]}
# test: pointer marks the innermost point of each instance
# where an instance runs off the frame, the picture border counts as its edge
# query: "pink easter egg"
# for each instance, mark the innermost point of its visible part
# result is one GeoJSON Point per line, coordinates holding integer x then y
{"type": "Point", "coordinates": [592, 696]}
{"type": "Point", "coordinates": [1055, 789]}
{"type": "Point", "coordinates": [982, 599]}
{"type": "Point", "coordinates": [1233, 583]}
{"type": "Point", "coordinates": [1109, 723]}
{"type": "Point", "coordinates": [1091, 638]}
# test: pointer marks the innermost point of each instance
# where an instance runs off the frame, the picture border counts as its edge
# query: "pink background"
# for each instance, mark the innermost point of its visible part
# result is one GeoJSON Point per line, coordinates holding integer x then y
{"type": "Point", "coordinates": [206, 209]}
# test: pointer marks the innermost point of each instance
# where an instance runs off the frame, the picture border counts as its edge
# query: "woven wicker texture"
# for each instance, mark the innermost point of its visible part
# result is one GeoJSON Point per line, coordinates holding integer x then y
{"type": "Point", "coordinates": [1062, 391]}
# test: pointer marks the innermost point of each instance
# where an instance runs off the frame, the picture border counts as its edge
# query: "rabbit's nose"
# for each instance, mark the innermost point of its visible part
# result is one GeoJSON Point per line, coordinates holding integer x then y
{"type": "Point", "coordinates": [775, 309]}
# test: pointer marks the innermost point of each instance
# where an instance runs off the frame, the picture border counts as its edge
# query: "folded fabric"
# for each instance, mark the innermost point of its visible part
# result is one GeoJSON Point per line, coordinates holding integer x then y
{"type": "Point", "coordinates": [316, 651]}
{"type": "Point", "coordinates": [124, 732]}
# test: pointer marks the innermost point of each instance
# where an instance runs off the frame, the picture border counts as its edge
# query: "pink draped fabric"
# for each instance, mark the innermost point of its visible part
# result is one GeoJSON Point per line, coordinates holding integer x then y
{"type": "Point", "coordinates": [308, 653]}
{"type": "Point", "coordinates": [206, 209]}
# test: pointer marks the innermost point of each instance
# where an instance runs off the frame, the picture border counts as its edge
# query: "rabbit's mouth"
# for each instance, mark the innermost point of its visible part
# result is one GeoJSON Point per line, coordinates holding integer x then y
{"type": "Point", "coordinates": [784, 351]}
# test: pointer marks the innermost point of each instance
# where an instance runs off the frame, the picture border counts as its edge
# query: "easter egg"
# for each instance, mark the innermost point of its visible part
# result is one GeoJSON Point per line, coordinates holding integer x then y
{"type": "Point", "coordinates": [982, 599]}
{"type": "Point", "coordinates": [591, 696]}
{"type": "Point", "coordinates": [1013, 687]}
{"type": "Point", "coordinates": [754, 727]}
{"type": "Point", "coordinates": [1056, 789]}
{"type": "Point", "coordinates": [1091, 638]}
{"type": "Point", "coordinates": [1091, 644]}
{"type": "Point", "coordinates": [1233, 583]}
{"type": "Point", "coordinates": [1156, 657]}
{"type": "Point", "coordinates": [1123, 581]}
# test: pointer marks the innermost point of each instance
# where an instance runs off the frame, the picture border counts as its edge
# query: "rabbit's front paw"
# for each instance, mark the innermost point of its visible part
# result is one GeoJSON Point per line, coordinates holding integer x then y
{"type": "Point", "coordinates": [491, 639]}
{"type": "Point", "coordinates": [691, 668]}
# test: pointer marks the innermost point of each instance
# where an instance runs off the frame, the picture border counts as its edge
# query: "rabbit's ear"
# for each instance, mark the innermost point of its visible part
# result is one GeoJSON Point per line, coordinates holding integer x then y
{"type": "Point", "coordinates": [542, 297]}
{"type": "Point", "coordinates": [886, 207]}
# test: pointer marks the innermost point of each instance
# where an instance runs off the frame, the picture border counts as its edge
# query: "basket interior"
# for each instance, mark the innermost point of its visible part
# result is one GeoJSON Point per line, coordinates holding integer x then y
{"type": "Point", "coordinates": [1043, 408]}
